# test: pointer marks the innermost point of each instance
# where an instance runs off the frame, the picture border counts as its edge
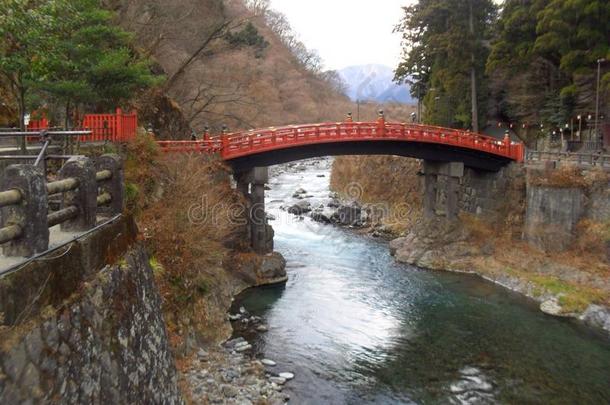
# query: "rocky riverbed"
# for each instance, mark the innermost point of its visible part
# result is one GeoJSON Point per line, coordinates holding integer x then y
{"type": "Point", "coordinates": [228, 375]}
{"type": "Point", "coordinates": [333, 208]}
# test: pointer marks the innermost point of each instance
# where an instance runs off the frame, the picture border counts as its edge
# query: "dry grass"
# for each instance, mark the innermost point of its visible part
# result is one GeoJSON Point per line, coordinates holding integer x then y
{"type": "Point", "coordinates": [188, 215]}
{"type": "Point", "coordinates": [389, 183]}
{"type": "Point", "coordinates": [568, 176]}
{"type": "Point", "coordinates": [593, 238]}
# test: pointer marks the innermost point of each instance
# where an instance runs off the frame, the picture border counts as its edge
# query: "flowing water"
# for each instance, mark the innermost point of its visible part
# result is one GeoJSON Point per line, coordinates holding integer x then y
{"type": "Point", "coordinates": [356, 327]}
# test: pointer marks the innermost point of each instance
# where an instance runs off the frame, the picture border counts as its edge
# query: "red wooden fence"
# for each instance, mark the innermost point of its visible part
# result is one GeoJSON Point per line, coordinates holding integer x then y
{"type": "Point", "coordinates": [118, 127]}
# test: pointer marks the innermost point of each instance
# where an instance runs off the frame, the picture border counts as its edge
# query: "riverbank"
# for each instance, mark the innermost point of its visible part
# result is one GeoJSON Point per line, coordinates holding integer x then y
{"type": "Point", "coordinates": [572, 281]}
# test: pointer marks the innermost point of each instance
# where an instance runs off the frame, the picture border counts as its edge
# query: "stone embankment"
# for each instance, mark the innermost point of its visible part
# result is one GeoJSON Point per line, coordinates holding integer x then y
{"type": "Point", "coordinates": [103, 340]}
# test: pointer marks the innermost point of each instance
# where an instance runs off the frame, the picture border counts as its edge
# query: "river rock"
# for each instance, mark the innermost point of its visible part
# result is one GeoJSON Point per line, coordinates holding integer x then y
{"type": "Point", "coordinates": [262, 328]}
{"type": "Point", "coordinates": [229, 391]}
{"type": "Point", "coordinates": [286, 376]}
{"type": "Point", "coordinates": [268, 362]}
{"type": "Point", "coordinates": [272, 267]}
{"type": "Point", "coordinates": [231, 343]}
{"type": "Point", "coordinates": [322, 216]}
{"type": "Point", "coordinates": [471, 384]}
{"type": "Point", "coordinates": [278, 380]}
{"type": "Point", "coordinates": [300, 208]}
{"type": "Point", "coordinates": [597, 316]}
{"type": "Point", "coordinates": [241, 349]}
{"type": "Point", "coordinates": [299, 193]}
{"type": "Point", "coordinates": [333, 203]}
{"type": "Point", "coordinates": [552, 307]}
{"type": "Point", "coordinates": [348, 214]}
{"type": "Point", "coordinates": [202, 354]}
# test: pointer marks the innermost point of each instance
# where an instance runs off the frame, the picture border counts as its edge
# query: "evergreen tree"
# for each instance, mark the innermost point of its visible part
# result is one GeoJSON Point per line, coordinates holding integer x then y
{"type": "Point", "coordinates": [444, 57]}
{"type": "Point", "coordinates": [68, 51]}
{"type": "Point", "coordinates": [544, 59]}
{"type": "Point", "coordinates": [98, 69]}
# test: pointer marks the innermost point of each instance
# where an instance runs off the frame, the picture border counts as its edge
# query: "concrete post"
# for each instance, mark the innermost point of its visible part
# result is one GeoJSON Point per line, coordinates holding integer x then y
{"type": "Point", "coordinates": [115, 185]}
{"type": "Point", "coordinates": [84, 198]}
{"type": "Point", "coordinates": [30, 214]}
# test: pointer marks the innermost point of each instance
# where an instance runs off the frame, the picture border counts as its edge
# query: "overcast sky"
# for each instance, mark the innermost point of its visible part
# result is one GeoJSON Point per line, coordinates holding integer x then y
{"type": "Point", "coordinates": [347, 32]}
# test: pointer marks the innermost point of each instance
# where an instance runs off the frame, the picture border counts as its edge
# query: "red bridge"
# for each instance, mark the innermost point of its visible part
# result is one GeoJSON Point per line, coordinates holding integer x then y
{"type": "Point", "coordinates": [265, 147]}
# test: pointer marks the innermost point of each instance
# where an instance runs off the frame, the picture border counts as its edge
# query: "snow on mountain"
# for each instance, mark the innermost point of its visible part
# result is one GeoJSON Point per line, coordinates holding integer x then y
{"type": "Point", "coordinates": [374, 83]}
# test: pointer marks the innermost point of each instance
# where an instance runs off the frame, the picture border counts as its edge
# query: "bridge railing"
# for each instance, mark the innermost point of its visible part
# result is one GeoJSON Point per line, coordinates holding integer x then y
{"type": "Point", "coordinates": [85, 188]}
{"type": "Point", "coordinates": [244, 143]}
{"type": "Point", "coordinates": [590, 159]}
{"type": "Point", "coordinates": [213, 145]}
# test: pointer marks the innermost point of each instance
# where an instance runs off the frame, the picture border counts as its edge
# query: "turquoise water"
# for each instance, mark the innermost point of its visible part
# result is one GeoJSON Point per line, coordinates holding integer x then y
{"type": "Point", "coordinates": [356, 327]}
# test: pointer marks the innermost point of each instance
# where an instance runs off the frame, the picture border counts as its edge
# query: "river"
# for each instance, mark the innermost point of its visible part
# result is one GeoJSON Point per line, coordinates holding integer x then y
{"type": "Point", "coordinates": [356, 327]}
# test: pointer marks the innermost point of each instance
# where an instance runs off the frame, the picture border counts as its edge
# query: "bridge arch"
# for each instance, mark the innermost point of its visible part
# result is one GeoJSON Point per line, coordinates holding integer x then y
{"type": "Point", "coordinates": [265, 147]}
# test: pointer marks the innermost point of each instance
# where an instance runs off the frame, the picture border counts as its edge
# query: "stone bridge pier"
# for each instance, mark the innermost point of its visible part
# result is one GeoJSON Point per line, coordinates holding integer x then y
{"type": "Point", "coordinates": [252, 184]}
{"type": "Point", "coordinates": [442, 188]}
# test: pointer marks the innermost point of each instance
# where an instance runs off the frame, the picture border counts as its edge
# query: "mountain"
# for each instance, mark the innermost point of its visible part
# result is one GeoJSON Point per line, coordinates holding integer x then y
{"type": "Point", "coordinates": [374, 83]}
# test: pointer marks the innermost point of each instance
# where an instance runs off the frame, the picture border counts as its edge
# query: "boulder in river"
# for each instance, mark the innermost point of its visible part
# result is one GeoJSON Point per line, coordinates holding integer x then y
{"type": "Point", "coordinates": [299, 193]}
{"type": "Point", "coordinates": [323, 216]}
{"type": "Point", "coordinates": [300, 208]}
{"type": "Point", "coordinates": [348, 214]}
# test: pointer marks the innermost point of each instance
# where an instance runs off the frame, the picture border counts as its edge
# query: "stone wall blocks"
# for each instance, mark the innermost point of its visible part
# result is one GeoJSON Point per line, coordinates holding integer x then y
{"type": "Point", "coordinates": [30, 380]}
{"type": "Point", "coordinates": [34, 346]}
{"type": "Point", "coordinates": [15, 362]}
{"type": "Point", "coordinates": [50, 334]}
{"type": "Point", "coordinates": [10, 394]}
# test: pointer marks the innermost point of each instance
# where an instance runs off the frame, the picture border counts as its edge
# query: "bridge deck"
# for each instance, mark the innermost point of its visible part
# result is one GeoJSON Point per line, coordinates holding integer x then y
{"type": "Point", "coordinates": [236, 146]}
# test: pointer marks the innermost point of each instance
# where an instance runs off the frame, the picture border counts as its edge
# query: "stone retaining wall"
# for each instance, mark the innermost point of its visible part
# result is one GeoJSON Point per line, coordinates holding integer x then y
{"type": "Point", "coordinates": [103, 343]}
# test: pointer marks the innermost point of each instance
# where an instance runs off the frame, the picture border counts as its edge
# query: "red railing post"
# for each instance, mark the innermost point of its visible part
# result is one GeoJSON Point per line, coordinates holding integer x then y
{"type": "Point", "coordinates": [119, 124]}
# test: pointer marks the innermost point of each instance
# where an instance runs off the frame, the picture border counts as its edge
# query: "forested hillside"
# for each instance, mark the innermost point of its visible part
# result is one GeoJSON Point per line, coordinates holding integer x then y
{"type": "Point", "coordinates": [531, 63]}
{"type": "Point", "coordinates": [228, 63]}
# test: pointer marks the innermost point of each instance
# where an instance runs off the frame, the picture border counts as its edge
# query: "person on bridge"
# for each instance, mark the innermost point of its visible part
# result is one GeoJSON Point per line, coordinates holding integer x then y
{"type": "Point", "coordinates": [380, 123]}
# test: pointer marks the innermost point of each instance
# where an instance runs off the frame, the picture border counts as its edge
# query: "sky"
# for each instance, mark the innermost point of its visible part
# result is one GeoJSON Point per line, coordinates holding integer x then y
{"type": "Point", "coordinates": [347, 32]}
